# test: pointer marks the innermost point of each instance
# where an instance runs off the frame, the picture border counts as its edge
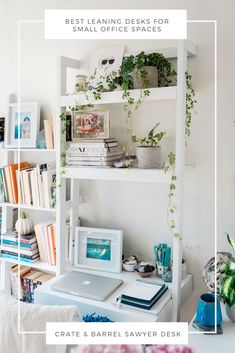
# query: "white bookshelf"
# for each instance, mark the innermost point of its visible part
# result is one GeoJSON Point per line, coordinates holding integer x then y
{"type": "Point", "coordinates": [10, 155]}
{"type": "Point", "coordinates": [181, 52]}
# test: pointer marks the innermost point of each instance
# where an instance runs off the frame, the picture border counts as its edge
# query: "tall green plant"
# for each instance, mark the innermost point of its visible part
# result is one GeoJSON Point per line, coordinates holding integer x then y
{"type": "Point", "coordinates": [228, 283]}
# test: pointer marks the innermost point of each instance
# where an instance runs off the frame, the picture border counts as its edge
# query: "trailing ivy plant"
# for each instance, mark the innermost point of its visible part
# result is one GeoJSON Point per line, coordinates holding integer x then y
{"type": "Point", "coordinates": [171, 207]}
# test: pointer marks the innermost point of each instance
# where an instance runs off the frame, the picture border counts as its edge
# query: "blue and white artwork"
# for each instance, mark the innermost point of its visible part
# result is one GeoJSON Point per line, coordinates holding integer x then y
{"type": "Point", "coordinates": [99, 249]}
{"type": "Point", "coordinates": [22, 128]}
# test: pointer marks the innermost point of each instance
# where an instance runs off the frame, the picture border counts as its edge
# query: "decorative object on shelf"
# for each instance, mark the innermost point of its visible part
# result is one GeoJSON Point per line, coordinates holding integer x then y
{"type": "Point", "coordinates": [144, 269]}
{"type": "Point", "coordinates": [208, 272]}
{"type": "Point", "coordinates": [205, 317]}
{"type": "Point", "coordinates": [162, 253]}
{"type": "Point", "coordinates": [148, 150]}
{"type": "Point", "coordinates": [98, 249]}
{"type": "Point", "coordinates": [125, 162]}
{"type": "Point", "coordinates": [81, 84]}
{"type": "Point", "coordinates": [88, 124]}
{"type": "Point", "coordinates": [104, 61]}
{"type": "Point", "coordinates": [22, 128]}
{"type": "Point", "coordinates": [49, 133]}
{"type": "Point", "coordinates": [228, 284]}
{"type": "Point", "coordinates": [41, 140]}
{"type": "Point", "coordinates": [2, 130]}
{"type": "Point", "coordinates": [129, 263]}
{"type": "Point", "coordinates": [167, 277]}
{"type": "Point", "coordinates": [24, 225]}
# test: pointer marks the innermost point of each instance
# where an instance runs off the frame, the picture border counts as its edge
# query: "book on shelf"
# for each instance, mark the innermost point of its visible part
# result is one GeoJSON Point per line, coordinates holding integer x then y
{"type": "Point", "coordinates": [49, 133]}
{"type": "Point", "coordinates": [93, 153]}
{"type": "Point", "coordinates": [85, 143]}
{"type": "Point", "coordinates": [92, 163]}
{"type": "Point", "coordinates": [8, 177]}
{"type": "Point", "coordinates": [15, 270]}
{"type": "Point", "coordinates": [26, 249]}
{"type": "Point", "coordinates": [46, 238]}
{"type": "Point", "coordinates": [35, 184]}
{"type": "Point", "coordinates": [29, 280]}
{"type": "Point", "coordinates": [96, 152]}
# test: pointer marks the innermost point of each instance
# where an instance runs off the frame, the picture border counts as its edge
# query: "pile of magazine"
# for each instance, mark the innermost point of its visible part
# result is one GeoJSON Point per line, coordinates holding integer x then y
{"type": "Point", "coordinates": [93, 152]}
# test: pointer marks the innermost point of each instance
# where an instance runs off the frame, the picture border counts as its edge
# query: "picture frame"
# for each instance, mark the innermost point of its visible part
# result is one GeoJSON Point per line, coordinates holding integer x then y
{"type": "Point", "coordinates": [98, 249]}
{"type": "Point", "coordinates": [90, 124]}
{"type": "Point", "coordinates": [28, 129]}
{"type": "Point", "coordinates": [104, 61]}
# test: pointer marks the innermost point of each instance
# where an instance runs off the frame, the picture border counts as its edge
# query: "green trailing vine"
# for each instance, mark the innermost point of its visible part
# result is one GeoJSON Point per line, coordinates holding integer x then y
{"type": "Point", "coordinates": [64, 124]}
{"type": "Point", "coordinates": [171, 206]}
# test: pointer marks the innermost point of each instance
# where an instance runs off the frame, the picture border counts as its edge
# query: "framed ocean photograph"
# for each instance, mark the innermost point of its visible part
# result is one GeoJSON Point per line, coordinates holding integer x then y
{"type": "Point", "coordinates": [98, 249]}
{"type": "Point", "coordinates": [22, 126]}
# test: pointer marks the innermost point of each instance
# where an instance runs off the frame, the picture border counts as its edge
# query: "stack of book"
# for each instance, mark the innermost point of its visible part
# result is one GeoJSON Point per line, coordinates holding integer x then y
{"type": "Point", "coordinates": [46, 238]}
{"type": "Point", "coordinates": [35, 185]}
{"type": "Point", "coordinates": [29, 281]}
{"type": "Point", "coordinates": [143, 295]}
{"type": "Point", "coordinates": [102, 152]}
{"type": "Point", "coordinates": [28, 247]}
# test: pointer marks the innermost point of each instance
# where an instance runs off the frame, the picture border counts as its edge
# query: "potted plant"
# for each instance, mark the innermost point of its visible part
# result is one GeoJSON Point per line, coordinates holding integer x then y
{"type": "Point", "coordinates": [148, 151]}
{"type": "Point", "coordinates": [228, 284]}
{"type": "Point", "coordinates": [146, 71]}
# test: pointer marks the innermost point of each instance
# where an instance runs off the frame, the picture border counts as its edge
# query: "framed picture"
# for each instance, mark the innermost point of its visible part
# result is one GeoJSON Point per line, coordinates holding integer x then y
{"type": "Point", "coordinates": [98, 249]}
{"type": "Point", "coordinates": [23, 125]}
{"type": "Point", "coordinates": [105, 61]}
{"type": "Point", "coordinates": [90, 124]}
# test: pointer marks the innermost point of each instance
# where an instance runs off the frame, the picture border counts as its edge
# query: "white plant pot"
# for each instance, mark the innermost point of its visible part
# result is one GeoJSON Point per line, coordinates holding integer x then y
{"type": "Point", "coordinates": [230, 311]}
{"type": "Point", "coordinates": [148, 157]}
{"type": "Point", "coordinates": [152, 77]}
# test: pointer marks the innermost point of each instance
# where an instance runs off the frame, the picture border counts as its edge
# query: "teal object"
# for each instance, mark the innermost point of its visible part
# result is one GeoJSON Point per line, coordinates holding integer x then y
{"type": "Point", "coordinates": [41, 140]}
{"type": "Point", "coordinates": [206, 310]}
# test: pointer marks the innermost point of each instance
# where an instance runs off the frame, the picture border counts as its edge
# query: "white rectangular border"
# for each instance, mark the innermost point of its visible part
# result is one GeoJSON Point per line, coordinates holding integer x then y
{"type": "Point", "coordinates": [34, 109]}
{"type": "Point", "coordinates": [214, 22]}
{"type": "Point", "coordinates": [80, 259]}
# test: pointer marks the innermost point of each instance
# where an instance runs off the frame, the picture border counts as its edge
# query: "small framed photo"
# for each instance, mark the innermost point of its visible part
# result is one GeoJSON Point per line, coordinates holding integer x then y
{"type": "Point", "coordinates": [23, 125]}
{"type": "Point", "coordinates": [98, 249]}
{"type": "Point", "coordinates": [90, 124]}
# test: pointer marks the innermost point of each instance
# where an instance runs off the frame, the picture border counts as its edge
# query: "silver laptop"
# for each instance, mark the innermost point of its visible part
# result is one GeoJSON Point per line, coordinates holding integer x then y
{"type": "Point", "coordinates": [87, 285]}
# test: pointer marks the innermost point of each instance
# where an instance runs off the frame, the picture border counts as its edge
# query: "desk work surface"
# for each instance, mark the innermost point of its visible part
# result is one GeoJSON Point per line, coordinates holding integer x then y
{"type": "Point", "coordinates": [45, 295]}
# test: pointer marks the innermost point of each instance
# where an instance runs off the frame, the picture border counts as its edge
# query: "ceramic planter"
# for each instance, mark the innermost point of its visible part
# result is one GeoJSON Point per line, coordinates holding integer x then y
{"type": "Point", "coordinates": [148, 157]}
{"type": "Point", "coordinates": [230, 311]}
{"type": "Point", "coordinates": [152, 77]}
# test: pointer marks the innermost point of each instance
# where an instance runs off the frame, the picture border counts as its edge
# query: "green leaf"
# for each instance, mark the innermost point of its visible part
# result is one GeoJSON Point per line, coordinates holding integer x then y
{"type": "Point", "coordinates": [228, 290]}
{"type": "Point", "coordinates": [231, 241]}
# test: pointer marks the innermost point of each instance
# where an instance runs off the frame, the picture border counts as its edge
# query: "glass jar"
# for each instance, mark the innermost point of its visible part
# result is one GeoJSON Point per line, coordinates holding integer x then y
{"type": "Point", "coordinates": [81, 83]}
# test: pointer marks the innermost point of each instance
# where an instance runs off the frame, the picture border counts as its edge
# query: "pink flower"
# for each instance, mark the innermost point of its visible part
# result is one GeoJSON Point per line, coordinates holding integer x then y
{"type": "Point", "coordinates": [107, 349]}
{"type": "Point", "coordinates": [169, 349]}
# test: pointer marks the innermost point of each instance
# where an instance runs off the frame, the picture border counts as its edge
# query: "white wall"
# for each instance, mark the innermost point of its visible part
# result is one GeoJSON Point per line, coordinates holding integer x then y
{"type": "Point", "coordinates": [139, 209]}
